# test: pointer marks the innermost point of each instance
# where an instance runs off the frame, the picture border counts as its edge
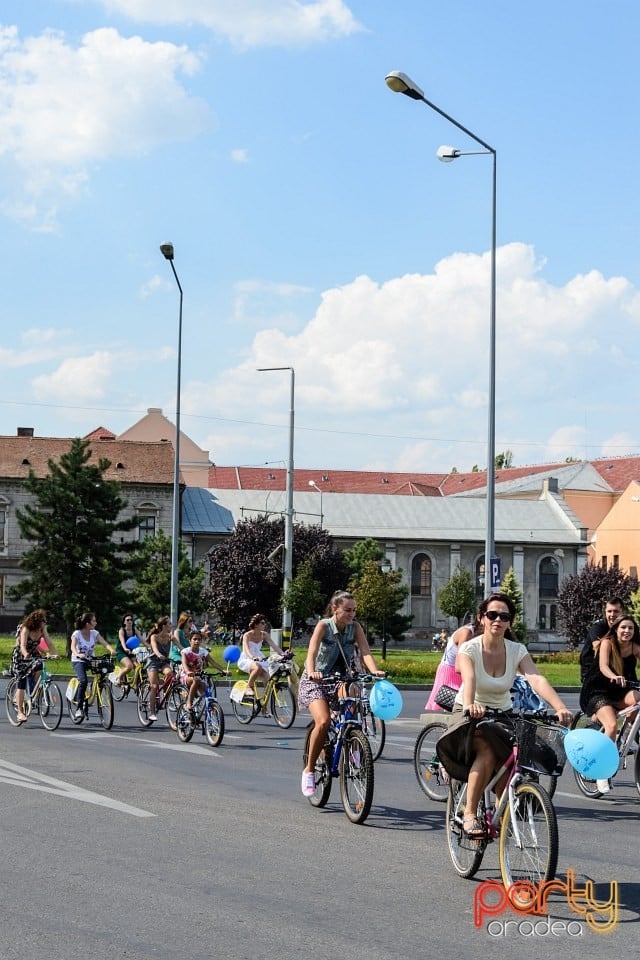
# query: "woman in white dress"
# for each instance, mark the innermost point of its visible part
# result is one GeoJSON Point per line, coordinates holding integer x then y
{"type": "Point", "coordinates": [252, 660]}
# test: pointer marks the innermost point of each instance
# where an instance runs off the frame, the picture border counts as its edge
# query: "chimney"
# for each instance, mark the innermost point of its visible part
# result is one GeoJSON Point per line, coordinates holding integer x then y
{"type": "Point", "coordinates": [25, 432]}
{"type": "Point", "coordinates": [550, 485]}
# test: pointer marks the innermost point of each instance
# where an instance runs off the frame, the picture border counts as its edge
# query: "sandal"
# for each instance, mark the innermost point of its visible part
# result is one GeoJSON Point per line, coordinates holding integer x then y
{"type": "Point", "coordinates": [472, 828]}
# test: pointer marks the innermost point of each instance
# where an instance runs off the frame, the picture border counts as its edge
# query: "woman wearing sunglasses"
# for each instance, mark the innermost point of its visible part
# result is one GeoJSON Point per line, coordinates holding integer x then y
{"type": "Point", "coordinates": [488, 664]}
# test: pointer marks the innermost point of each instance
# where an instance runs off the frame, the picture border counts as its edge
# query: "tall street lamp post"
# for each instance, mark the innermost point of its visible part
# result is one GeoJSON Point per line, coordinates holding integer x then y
{"type": "Point", "coordinates": [167, 252]}
{"type": "Point", "coordinates": [313, 484]}
{"type": "Point", "coordinates": [288, 514]}
{"type": "Point", "coordinates": [401, 83]}
{"type": "Point", "coordinates": [385, 568]}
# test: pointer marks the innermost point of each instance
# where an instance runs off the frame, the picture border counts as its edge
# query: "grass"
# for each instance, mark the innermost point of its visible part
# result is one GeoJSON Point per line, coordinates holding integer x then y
{"type": "Point", "coordinates": [404, 666]}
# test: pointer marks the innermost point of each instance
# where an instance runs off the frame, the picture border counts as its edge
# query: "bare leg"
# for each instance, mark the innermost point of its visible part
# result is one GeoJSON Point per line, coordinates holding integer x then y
{"type": "Point", "coordinates": [479, 775]}
{"type": "Point", "coordinates": [319, 710]}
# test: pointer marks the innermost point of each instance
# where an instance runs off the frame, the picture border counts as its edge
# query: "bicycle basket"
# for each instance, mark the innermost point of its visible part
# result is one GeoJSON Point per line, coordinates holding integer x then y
{"type": "Point", "coordinates": [103, 665]}
{"type": "Point", "coordinates": [540, 747]}
{"type": "Point", "coordinates": [141, 654]}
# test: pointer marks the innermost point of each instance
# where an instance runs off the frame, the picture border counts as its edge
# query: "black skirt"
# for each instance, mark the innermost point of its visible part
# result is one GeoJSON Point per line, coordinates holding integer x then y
{"type": "Point", "coordinates": [455, 747]}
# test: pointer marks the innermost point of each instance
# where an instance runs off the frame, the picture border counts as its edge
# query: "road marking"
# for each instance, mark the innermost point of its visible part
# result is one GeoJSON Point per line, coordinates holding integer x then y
{"type": "Point", "coordinates": [16, 776]}
{"type": "Point", "coordinates": [156, 744]}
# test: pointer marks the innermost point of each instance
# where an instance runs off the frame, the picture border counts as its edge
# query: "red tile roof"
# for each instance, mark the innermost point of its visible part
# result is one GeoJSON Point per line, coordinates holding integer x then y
{"type": "Point", "coordinates": [329, 481]}
{"type": "Point", "coordinates": [131, 461]}
{"type": "Point", "coordinates": [100, 433]}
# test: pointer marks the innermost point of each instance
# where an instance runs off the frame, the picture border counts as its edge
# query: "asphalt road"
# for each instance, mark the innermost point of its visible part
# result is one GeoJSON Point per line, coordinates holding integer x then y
{"type": "Point", "coordinates": [130, 844]}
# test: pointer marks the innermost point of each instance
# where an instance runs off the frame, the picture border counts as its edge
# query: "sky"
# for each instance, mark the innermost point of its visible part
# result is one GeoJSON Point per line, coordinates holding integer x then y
{"type": "Point", "coordinates": [315, 228]}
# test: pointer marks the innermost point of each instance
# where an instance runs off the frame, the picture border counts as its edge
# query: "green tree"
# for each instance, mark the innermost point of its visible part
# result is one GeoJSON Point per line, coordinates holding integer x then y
{"type": "Point", "coordinates": [512, 588]}
{"type": "Point", "coordinates": [152, 580]}
{"type": "Point", "coordinates": [305, 597]}
{"type": "Point", "coordinates": [581, 598]}
{"type": "Point", "coordinates": [458, 596]}
{"type": "Point", "coordinates": [379, 597]}
{"type": "Point", "coordinates": [504, 460]}
{"type": "Point", "coordinates": [78, 562]}
{"type": "Point", "coordinates": [245, 581]}
{"type": "Point", "coordinates": [361, 553]}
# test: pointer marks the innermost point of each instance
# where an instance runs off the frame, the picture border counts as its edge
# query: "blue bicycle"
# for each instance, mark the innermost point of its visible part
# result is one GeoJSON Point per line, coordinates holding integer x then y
{"type": "Point", "coordinates": [346, 755]}
{"type": "Point", "coordinates": [205, 713]}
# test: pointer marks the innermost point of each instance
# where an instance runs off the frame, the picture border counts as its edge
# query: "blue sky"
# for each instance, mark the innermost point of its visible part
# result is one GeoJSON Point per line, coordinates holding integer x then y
{"type": "Point", "coordinates": [314, 227]}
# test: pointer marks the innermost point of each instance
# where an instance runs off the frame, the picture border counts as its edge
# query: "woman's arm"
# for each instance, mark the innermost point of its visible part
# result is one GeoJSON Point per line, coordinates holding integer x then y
{"type": "Point", "coordinates": [312, 652]}
{"type": "Point", "coordinates": [604, 657]}
{"type": "Point", "coordinates": [467, 670]}
{"type": "Point", "coordinates": [103, 643]}
{"type": "Point", "coordinates": [51, 647]}
{"type": "Point", "coordinates": [24, 636]}
{"type": "Point", "coordinates": [74, 646]}
{"type": "Point", "coordinates": [542, 687]}
{"type": "Point", "coordinates": [364, 650]}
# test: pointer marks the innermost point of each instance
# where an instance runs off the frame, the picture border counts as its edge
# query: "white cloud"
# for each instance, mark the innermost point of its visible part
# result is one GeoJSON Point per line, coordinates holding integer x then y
{"type": "Point", "coordinates": [39, 346]}
{"type": "Point", "coordinates": [64, 108]}
{"type": "Point", "coordinates": [617, 444]}
{"type": "Point", "coordinates": [240, 155]}
{"type": "Point", "coordinates": [77, 380]}
{"type": "Point", "coordinates": [155, 283]}
{"type": "Point", "coordinates": [250, 23]}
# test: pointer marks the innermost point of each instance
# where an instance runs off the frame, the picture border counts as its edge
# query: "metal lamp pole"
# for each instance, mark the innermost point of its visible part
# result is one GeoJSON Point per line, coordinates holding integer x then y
{"type": "Point", "coordinates": [288, 515]}
{"type": "Point", "coordinates": [313, 484]}
{"type": "Point", "coordinates": [167, 252]}
{"type": "Point", "coordinates": [401, 83]}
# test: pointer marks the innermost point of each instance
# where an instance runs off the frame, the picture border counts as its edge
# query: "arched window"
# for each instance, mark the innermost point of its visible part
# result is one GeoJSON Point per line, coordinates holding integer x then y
{"type": "Point", "coordinates": [148, 517]}
{"type": "Point", "coordinates": [548, 593]}
{"type": "Point", "coordinates": [421, 576]}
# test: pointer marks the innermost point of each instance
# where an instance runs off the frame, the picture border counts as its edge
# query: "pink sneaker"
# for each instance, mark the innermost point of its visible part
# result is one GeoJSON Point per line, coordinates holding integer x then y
{"type": "Point", "coordinates": [308, 784]}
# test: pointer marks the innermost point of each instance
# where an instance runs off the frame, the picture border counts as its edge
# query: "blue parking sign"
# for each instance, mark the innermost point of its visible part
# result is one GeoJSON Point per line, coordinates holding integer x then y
{"type": "Point", "coordinates": [496, 578]}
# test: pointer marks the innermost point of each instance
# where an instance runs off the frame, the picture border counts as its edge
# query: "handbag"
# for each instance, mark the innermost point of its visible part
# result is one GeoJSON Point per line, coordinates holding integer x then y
{"type": "Point", "coordinates": [445, 697]}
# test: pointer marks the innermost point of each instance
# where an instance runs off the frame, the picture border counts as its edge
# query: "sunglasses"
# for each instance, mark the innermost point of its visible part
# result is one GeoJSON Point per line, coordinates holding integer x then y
{"type": "Point", "coordinates": [498, 615]}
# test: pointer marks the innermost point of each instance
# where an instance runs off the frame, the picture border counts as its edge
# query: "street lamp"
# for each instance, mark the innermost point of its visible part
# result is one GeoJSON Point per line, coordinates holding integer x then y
{"type": "Point", "coordinates": [312, 483]}
{"type": "Point", "coordinates": [385, 568]}
{"type": "Point", "coordinates": [288, 514]}
{"type": "Point", "coordinates": [400, 83]}
{"type": "Point", "coordinates": [166, 250]}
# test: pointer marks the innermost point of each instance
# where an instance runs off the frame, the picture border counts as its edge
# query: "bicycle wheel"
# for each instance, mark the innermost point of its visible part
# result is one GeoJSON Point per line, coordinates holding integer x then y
{"type": "Point", "coordinates": [322, 770]}
{"type": "Point", "coordinates": [283, 706]}
{"type": "Point", "coordinates": [466, 854]}
{"type": "Point", "coordinates": [118, 691]}
{"type": "Point", "coordinates": [528, 841]}
{"type": "Point", "coordinates": [588, 787]}
{"type": "Point", "coordinates": [356, 775]}
{"type": "Point", "coordinates": [185, 725]}
{"type": "Point", "coordinates": [636, 769]}
{"type": "Point", "coordinates": [51, 706]}
{"type": "Point", "coordinates": [175, 699]}
{"type": "Point", "coordinates": [432, 777]}
{"type": "Point", "coordinates": [9, 697]}
{"type": "Point", "coordinates": [104, 703]}
{"type": "Point", "coordinates": [244, 710]}
{"type": "Point", "coordinates": [214, 723]}
{"type": "Point", "coordinates": [375, 732]}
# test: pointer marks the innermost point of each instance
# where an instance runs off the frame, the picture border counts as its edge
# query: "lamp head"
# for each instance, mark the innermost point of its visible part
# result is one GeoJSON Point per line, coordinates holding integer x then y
{"type": "Point", "coordinates": [400, 83]}
{"type": "Point", "coordinates": [166, 249]}
{"type": "Point", "coordinates": [447, 154]}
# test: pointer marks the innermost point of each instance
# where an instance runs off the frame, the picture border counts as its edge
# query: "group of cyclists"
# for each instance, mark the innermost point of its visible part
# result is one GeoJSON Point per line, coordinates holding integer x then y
{"type": "Point", "coordinates": [481, 660]}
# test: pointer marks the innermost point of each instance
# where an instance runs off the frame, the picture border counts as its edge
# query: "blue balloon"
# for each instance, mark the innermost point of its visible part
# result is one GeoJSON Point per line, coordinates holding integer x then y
{"type": "Point", "coordinates": [385, 700]}
{"type": "Point", "coordinates": [133, 643]}
{"type": "Point", "coordinates": [231, 653]}
{"type": "Point", "coordinates": [591, 753]}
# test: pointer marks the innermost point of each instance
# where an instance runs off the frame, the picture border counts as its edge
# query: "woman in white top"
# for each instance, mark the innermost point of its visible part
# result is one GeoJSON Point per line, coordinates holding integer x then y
{"type": "Point", "coordinates": [252, 660]}
{"type": "Point", "coordinates": [488, 664]}
{"type": "Point", "coordinates": [84, 640]}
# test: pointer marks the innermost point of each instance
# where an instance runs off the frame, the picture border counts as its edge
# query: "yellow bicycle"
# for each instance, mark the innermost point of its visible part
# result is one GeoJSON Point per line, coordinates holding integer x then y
{"type": "Point", "coordinates": [98, 692]}
{"type": "Point", "coordinates": [276, 701]}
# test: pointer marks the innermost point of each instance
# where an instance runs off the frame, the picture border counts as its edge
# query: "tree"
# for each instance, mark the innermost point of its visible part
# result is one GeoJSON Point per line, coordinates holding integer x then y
{"type": "Point", "coordinates": [77, 563]}
{"type": "Point", "coordinates": [245, 581]}
{"type": "Point", "coordinates": [361, 553]}
{"type": "Point", "coordinates": [304, 597]}
{"type": "Point", "coordinates": [379, 597]}
{"type": "Point", "coordinates": [152, 580]}
{"type": "Point", "coordinates": [458, 596]}
{"type": "Point", "coordinates": [581, 597]}
{"type": "Point", "coordinates": [504, 460]}
{"type": "Point", "coordinates": [511, 588]}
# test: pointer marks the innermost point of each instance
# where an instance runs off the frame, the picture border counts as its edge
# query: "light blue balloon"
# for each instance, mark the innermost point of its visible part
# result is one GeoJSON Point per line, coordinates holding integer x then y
{"type": "Point", "coordinates": [385, 700]}
{"type": "Point", "coordinates": [591, 753]}
{"type": "Point", "coordinates": [231, 653]}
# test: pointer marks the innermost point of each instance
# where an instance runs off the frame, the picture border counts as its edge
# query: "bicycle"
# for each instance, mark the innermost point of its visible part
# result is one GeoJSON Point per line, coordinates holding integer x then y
{"type": "Point", "coordinates": [206, 713]}
{"type": "Point", "coordinates": [523, 818]}
{"type": "Point", "coordinates": [277, 700]}
{"type": "Point", "coordinates": [627, 743]}
{"type": "Point", "coordinates": [43, 698]}
{"type": "Point", "coordinates": [98, 691]}
{"type": "Point", "coordinates": [373, 727]}
{"type": "Point", "coordinates": [121, 690]}
{"type": "Point", "coordinates": [432, 778]}
{"type": "Point", "coordinates": [346, 754]}
{"type": "Point", "coordinates": [170, 697]}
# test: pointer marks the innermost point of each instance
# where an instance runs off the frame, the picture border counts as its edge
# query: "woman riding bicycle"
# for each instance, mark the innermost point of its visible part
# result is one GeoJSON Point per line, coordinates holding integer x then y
{"type": "Point", "coordinates": [25, 657]}
{"type": "Point", "coordinates": [83, 642]}
{"type": "Point", "coordinates": [159, 640]}
{"type": "Point", "coordinates": [251, 659]}
{"type": "Point", "coordinates": [603, 693]}
{"type": "Point", "coordinates": [488, 664]}
{"type": "Point", "coordinates": [335, 642]}
{"type": "Point", "coordinates": [126, 635]}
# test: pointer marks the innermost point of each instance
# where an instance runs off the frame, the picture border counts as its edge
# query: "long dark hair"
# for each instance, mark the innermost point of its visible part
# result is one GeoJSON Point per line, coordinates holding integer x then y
{"type": "Point", "coordinates": [615, 660]}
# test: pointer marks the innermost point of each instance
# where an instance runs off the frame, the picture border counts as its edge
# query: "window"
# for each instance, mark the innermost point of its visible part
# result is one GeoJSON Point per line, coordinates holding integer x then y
{"type": "Point", "coordinates": [146, 527]}
{"type": "Point", "coordinates": [3, 526]}
{"type": "Point", "coordinates": [603, 563]}
{"type": "Point", "coordinates": [2, 579]}
{"type": "Point", "coordinates": [547, 593]}
{"type": "Point", "coordinates": [616, 561]}
{"type": "Point", "coordinates": [421, 576]}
